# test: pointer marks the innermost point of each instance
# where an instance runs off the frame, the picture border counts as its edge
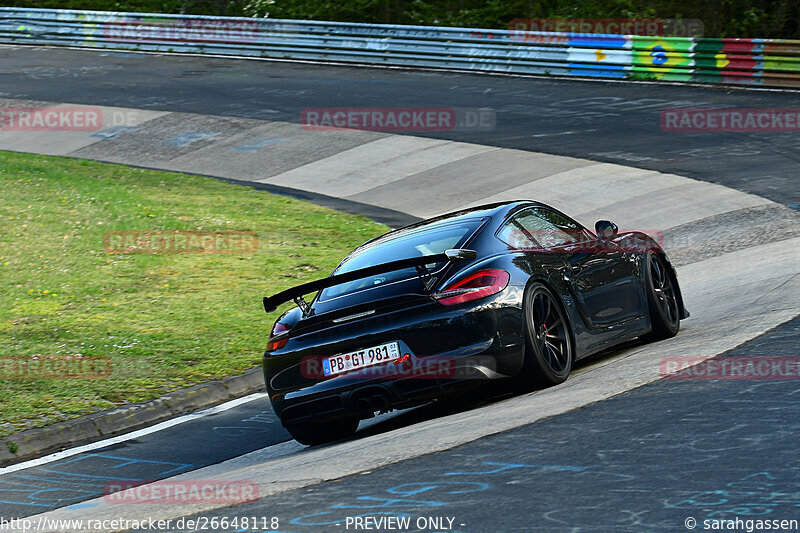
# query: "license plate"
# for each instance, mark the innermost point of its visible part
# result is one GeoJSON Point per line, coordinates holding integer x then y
{"type": "Point", "coordinates": [339, 364]}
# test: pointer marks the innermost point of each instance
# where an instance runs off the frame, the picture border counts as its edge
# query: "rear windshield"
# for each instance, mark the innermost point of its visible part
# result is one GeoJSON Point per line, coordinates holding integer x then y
{"type": "Point", "coordinates": [416, 242]}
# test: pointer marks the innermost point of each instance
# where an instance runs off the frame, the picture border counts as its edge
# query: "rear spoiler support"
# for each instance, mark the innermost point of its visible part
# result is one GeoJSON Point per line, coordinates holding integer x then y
{"type": "Point", "coordinates": [303, 305]}
{"type": "Point", "coordinates": [425, 277]}
{"type": "Point", "coordinates": [295, 294]}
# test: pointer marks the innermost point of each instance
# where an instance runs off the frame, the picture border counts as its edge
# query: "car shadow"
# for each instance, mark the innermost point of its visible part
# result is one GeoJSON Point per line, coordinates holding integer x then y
{"type": "Point", "coordinates": [491, 393]}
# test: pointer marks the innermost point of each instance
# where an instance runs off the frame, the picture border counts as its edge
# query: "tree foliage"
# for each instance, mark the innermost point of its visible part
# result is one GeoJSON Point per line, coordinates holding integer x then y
{"type": "Point", "coordinates": [721, 18]}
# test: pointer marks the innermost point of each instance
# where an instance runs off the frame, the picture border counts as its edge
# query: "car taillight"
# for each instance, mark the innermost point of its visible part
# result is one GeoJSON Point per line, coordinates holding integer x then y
{"type": "Point", "coordinates": [278, 338]}
{"type": "Point", "coordinates": [478, 285]}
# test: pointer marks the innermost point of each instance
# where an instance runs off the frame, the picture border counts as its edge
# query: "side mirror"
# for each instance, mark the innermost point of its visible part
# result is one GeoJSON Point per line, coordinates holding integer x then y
{"type": "Point", "coordinates": [605, 229]}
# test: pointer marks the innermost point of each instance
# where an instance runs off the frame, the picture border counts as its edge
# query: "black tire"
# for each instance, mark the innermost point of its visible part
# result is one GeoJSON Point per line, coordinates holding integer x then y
{"type": "Point", "coordinates": [313, 433]}
{"type": "Point", "coordinates": [662, 298]}
{"type": "Point", "coordinates": [549, 351]}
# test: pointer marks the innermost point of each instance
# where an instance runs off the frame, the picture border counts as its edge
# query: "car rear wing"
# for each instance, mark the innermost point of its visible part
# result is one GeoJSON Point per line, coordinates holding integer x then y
{"type": "Point", "coordinates": [271, 303]}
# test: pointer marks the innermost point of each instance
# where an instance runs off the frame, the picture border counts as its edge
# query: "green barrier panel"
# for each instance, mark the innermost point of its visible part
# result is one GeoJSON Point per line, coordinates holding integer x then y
{"type": "Point", "coordinates": [791, 64]}
{"type": "Point", "coordinates": [665, 58]}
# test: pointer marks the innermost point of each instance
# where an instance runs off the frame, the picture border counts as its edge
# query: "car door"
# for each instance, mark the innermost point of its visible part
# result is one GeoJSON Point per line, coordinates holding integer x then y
{"type": "Point", "coordinates": [601, 276]}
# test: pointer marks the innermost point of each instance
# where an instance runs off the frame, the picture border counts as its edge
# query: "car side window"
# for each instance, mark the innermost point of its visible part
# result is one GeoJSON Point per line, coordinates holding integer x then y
{"type": "Point", "coordinates": [516, 236]}
{"type": "Point", "coordinates": [541, 228]}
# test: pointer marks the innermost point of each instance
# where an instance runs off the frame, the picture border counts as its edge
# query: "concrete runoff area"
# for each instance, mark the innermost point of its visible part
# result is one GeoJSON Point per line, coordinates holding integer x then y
{"type": "Point", "coordinates": [419, 176]}
{"type": "Point", "coordinates": [64, 141]}
{"type": "Point", "coordinates": [374, 164]}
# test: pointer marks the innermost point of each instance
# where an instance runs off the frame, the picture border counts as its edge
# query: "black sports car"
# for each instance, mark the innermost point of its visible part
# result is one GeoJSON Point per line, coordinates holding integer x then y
{"type": "Point", "coordinates": [515, 291]}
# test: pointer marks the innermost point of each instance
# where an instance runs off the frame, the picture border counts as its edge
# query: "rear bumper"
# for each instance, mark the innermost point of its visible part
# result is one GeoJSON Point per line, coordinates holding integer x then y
{"type": "Point", "coordinates": [483, 343]}
{"type": "Point", "coordinates": [410, 385]}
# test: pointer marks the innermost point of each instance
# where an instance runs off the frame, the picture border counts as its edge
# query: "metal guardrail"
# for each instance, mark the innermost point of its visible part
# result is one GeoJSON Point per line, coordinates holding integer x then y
{"type": "Point", "coordinates": [758, 62]}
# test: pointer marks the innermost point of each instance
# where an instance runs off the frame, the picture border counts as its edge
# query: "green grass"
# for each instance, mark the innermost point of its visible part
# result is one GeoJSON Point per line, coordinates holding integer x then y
{"type": "Point", "coordinates": [165, 321]}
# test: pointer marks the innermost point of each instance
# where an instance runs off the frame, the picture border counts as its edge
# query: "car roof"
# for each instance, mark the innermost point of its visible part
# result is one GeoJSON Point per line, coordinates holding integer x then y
{"type": "Point", "coordinates": [497, 209]}
{"type": "Point", "coordinates": [481, 211]}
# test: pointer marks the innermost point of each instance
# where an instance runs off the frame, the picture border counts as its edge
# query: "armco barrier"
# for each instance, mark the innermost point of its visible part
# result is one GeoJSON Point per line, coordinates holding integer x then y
{"type": "Point", "coordinates": [758, 62]}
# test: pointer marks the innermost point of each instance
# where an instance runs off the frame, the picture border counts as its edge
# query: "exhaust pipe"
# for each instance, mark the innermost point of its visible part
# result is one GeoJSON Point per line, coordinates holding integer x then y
{"type": "Point", "coordinates": [362, 404]}
{"type": "Point", "coordinates": [379, 403]}
{"type": "Point", "coordinates": [370, 403]}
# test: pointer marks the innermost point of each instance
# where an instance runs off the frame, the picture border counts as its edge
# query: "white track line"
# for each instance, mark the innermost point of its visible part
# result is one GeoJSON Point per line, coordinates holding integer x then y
{"type": "Point", "coordinates": [132, 435]}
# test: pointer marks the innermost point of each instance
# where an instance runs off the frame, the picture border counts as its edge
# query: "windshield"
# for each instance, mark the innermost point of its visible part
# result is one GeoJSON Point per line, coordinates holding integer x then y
{"type": "Point", "coordinates": [416, 242]}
